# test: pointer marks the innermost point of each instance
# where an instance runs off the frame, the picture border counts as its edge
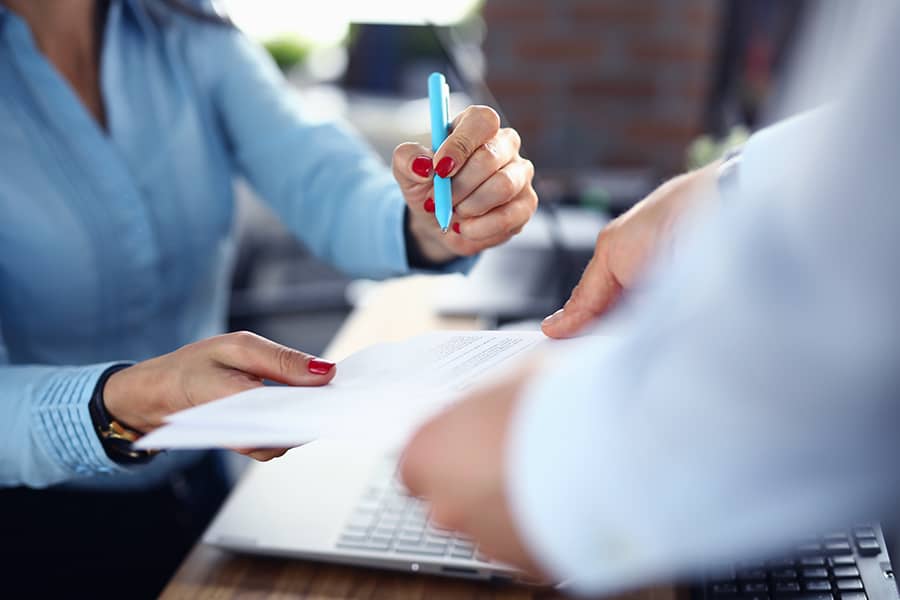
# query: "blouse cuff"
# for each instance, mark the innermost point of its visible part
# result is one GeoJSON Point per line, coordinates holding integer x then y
{"type": "Point", "coordinates": [63, 425]}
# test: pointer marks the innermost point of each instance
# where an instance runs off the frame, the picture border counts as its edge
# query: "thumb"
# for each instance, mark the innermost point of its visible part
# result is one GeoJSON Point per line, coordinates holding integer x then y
{"type": "Point", "coordinates": [412, 167]}
{"type": "Point", "coordinates": [594, 295]}
{"type": "Point", "coordinates": [266, 359]}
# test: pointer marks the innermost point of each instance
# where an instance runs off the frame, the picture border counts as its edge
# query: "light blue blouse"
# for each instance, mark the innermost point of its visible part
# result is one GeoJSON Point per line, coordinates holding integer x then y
{"type": "Point", "coordinates": [117, 245]}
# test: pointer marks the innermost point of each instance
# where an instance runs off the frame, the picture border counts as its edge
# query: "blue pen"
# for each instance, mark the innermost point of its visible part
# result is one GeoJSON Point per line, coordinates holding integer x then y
{"type": "Point", "coordinates": [439, 101]}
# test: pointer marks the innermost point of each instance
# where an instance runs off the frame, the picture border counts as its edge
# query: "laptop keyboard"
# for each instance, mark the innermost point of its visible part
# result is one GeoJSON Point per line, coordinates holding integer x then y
{"type": "Point", "coordinates": [824, 568]}
{"type": "Point", "coordinates": [387, 520]}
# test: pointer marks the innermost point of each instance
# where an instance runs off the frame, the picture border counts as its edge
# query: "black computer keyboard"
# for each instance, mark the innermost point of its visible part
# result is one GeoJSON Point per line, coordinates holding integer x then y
{"type": "Point", "coordinates": [841, 565]}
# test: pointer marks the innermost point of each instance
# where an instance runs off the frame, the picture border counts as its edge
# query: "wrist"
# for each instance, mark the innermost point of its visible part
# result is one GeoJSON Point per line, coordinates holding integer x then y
{"type": "Point", "coordinates": [424, 240]}
{"type": "Point", "coordinates": [115, 436]}
{"type": "Point", "coordinates": [118, 397]}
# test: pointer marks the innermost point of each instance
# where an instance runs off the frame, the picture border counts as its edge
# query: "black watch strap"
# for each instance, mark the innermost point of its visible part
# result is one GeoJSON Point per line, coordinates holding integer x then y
{"type": "Point", "coordinates": [116, 439]}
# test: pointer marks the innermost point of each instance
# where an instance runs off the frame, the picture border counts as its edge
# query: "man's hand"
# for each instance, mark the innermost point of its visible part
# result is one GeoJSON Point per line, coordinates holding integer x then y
{"type": "Point", "coordinates": [457, 462]}
{"type": "Point", "coordinates": [492, 193]}
{"type": "Point", "coordinates": [626, 245]}
{"type": "Point", "coordinates": [141, 396]}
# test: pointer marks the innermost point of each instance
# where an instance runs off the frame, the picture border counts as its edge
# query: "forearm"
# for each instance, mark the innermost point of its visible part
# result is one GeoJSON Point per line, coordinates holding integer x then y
{"type": "Point", "coordinates": [46, 432]}
{"type": "Point", "coordinates": [707, 432]}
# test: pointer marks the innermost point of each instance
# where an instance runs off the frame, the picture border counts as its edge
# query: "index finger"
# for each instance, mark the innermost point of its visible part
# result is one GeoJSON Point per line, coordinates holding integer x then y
{"type": "Point", "coordinates": [595, 293]}
{"type": "Point", "coordinates": [253, 354]}
{"type": "Point", "coordinates": [471, 129]}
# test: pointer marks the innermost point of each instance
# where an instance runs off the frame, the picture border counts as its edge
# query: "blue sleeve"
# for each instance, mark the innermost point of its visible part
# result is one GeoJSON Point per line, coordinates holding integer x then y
{"type": "Point", "coordinates": [46, 433]}
{"type": "Point", "coordinates": [323, 181]}
{"type": "Point", "coordinates": [749, 399]}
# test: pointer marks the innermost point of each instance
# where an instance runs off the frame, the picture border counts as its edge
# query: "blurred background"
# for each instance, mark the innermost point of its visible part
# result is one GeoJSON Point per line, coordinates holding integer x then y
{"type": "Point", "coordinates": [610, 96]}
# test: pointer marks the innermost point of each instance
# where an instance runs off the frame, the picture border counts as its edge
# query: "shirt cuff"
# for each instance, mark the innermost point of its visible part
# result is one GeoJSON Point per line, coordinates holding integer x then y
{"type": "Point", "coordinates": [63, 425]}
{"type": "Point", "coordinates": [417, 262]}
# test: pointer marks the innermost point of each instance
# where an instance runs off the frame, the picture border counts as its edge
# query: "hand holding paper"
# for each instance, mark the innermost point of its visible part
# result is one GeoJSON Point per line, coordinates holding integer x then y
{"type": "Point", "coordinates": [379, 396]}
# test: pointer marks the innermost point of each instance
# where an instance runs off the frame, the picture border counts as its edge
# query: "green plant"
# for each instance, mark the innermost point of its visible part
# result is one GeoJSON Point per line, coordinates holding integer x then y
{"type": "Point", "coordinates": [706, 149]}
{"type": "Point", "coordinates": [287, 51]}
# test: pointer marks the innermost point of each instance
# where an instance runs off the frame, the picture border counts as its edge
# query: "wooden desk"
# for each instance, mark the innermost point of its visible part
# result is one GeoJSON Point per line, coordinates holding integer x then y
{"type": "Point", "coordinates": [394, 311]}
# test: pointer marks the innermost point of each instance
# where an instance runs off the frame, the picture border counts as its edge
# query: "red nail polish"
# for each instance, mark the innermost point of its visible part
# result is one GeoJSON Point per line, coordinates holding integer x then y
{"type": "Point", "coordinates": [317, 366]}
{"type": "Point", "coordinates": [445, 166]}
{"type": "Point", "coordinates": [456, 228]}
{"type": "Point", "coordinates": [429, 205]}
{"type": "Point", "coordinates": [421, 166]}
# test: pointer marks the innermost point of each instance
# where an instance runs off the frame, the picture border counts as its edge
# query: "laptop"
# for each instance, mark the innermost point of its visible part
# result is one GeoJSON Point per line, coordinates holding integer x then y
{"type": "Point", "coordinates": [334, 503]}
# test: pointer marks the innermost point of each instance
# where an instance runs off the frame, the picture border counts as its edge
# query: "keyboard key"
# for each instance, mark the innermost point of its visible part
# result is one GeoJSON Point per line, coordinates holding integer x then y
{"type": "Point", "coordinates": [756, 588]}
{"type": "Point", "coordinates": [838, 548]}
{"type": "Point", "coordinates": [813, 561]}
{"type": "Point", "coordinates": [784, 574]}
{"type": "Point", "coordinates": [817, 586]}
{"type": "Point", "coordinates": [409, 536]}
{"type": "Point", "coordinates": [436, 548]}
{"type": "Point", "coordinates": [868, 547]}
{"type": "Point", "coordinates": [815, 573]}
{"type": "Point", "coordinates": [462, 552]}
{"type": "Point", "coordinates": [420, 550]}
{"type": "Point", "coordinates": [786, 587]}
{"type": "Point", "coordinates": [840, 572]}
{"type": "Point", "coordinates": [850, 584]}
{"type": "Point", "coordinates": [812, 596]}
{"type": "Point", "coordinates": [840, 561]}
{"type": "Point", "coordinates": [853, 596]}
{"type": "Point", "coordinates": [379, 544]}
{"type": "Point", "coordinates": [752, 574]}
{"type": "Point", "coordinates": [864, 532]}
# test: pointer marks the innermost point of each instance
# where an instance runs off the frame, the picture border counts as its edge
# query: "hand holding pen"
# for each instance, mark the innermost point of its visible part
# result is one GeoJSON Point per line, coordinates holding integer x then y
{"type": "Point", "coordinates": [492, 195]}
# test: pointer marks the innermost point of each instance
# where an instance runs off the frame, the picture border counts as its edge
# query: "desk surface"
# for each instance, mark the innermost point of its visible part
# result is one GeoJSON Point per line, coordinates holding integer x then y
{"type": "Point", "coordinates": [393, 311]}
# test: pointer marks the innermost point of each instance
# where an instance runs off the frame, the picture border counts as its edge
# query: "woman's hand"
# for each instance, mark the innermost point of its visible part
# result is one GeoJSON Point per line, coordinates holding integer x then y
{"type": "Point", "coordinates": [492, 193]}
{"type": "Point", "coordinates": [142, 395]}
{"type": "Point", "coordinates": [626, 245]}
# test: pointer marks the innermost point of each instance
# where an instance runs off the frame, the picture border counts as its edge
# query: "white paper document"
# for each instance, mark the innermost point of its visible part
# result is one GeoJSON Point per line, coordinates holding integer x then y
{"type": "Point", "coordinates": [378, 396]}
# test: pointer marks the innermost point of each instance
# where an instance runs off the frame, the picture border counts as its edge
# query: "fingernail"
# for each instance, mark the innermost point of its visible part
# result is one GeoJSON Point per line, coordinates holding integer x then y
{"type": "Point", "coordinates": [421, 166]}
{"type": "Point", "coordinates": [317, 366]}
{"type": "Point", "coordinates": [429, 205]}
{"type": "Point", "coordinates": [553, 318]}
{"type": "Point", "coordinates": [445, 166]}
{"type": "Point", "coordinates": [456, 227]}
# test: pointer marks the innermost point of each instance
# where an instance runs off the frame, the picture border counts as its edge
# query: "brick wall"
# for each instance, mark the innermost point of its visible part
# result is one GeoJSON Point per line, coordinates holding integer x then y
{"type": "Point", "coordinates": [602, 82]}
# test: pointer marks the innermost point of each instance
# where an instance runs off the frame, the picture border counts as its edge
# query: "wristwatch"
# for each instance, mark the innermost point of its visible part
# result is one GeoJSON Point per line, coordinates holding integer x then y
{"type": "Point", "coordinates": [728, 171]}
{"type": "Point", "coordinates": [116, 439]}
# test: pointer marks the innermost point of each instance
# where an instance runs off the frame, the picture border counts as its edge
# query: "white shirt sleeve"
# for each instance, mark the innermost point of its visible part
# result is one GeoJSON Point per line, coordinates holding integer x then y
{"type": "Point", "coordinates": [749, 399]}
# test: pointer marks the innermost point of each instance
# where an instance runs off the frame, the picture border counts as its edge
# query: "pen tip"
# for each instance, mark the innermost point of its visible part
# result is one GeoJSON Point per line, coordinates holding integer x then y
{"type": "Point", "coordinates": [444, 229]}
